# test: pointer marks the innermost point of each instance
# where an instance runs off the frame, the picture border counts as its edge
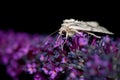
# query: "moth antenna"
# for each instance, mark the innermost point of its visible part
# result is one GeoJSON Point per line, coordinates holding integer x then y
{"type": "Point", "coordinates": [49, 35]}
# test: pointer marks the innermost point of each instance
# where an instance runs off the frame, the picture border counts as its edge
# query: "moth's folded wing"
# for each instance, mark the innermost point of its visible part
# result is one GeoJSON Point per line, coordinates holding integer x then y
{"type": "Point", "coordinates": [101, 30]}
{"type": "Point", "coordinates": [92, 23]}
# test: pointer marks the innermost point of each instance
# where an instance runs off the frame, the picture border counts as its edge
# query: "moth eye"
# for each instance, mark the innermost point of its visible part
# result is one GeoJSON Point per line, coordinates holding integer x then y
{"type": "Point", "coordinates": [64, 32]}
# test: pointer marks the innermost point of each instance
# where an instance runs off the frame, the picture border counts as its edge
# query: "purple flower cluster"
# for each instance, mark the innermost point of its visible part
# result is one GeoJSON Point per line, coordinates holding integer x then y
{"type": "Point", "coordinates": [81, 57]}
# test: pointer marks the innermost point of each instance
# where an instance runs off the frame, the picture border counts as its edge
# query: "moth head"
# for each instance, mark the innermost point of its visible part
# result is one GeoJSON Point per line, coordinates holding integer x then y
{"type": "Point", "coordinates": [62, 31]}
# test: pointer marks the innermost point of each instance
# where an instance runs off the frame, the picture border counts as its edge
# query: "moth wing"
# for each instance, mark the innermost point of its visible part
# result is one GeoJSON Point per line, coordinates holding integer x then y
{"type": "Point", "coordinates": [92, 23]}
{"type": "Point", "coordinates": [81, 28]}
{"type": "Point", "coordinates": [101, 30]}
{"type": "Point", "coordinates": [91, 26]}
{"type": "Point", "coordinates": [96, 28]}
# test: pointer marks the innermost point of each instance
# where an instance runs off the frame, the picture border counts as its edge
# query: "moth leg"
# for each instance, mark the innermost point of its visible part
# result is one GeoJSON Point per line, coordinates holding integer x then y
{"type": "Point", "coordinates": [77, 32]}
{"type": "Point", "coordinates": [88, 33]}
{"type": "Point", "coordinates": [58, 37]}
{"type": "Point", "coordinates": [66, 37]}
{"type": "Point", "coordinates": [93, 35]}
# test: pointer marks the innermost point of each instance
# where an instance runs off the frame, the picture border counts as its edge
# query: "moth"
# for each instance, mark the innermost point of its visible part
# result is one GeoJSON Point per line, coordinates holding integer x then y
{"type": "Point", "coordinates": [72, 26]}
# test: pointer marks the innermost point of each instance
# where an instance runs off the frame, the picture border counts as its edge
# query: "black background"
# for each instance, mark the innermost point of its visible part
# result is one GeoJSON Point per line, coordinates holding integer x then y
{"type": "Point", "coordinates": [46, 17]}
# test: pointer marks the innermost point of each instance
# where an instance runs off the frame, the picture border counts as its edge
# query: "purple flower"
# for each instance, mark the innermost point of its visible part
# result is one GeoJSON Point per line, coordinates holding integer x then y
{"type": "Point", "coordinates": [89, 64]}
{"type": "Point", "coordinates": [92, 72]}
{"type": "Point", "coordinates": [5, 59]}
{"type": "Point", "coordinates": [53, 74]}
{"type": "Point", "coordinates": [9, 50]}
{"type": "Point", "coordinates": [73, 75]}
{"type": "Point", "coordinates": [93, 41]}
{"type": "Point", "coordinates": [31, 68]}
{"type": "Point", "coordinates": [106, 39]}
{"type": "Point", "coordinates": [97, 59]}
{"type": "Point", "coordinates": [24, 49]}
{"type": "Point", "coordinates": [42, 58]}
{"type": "Point", "coordinates": [80, 58]}
{"type": "Point", "coordinates": [11, 71]}
{"type": "Point", "coordinates": [82, 79]}
{"type": "Point", "coordinates": [64, 60]}
{"type": "Point", "coordinates": [45, 70]}
{"type": "Point", "coordinates": [58, 69]}
{"type": "Point", "coordinates": [39, 76]}
{"type": "Point", "coordinates": [82, 41]}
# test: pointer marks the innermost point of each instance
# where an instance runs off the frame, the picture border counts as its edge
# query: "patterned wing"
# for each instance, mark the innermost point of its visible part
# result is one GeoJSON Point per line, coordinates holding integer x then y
{"type": "Point", "coordinates": [91, 26]}
{"type": "Point", "coordinates": [96, 28]}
